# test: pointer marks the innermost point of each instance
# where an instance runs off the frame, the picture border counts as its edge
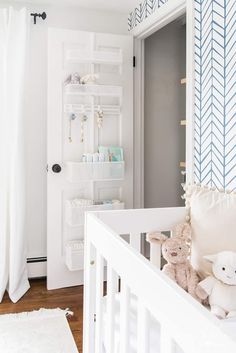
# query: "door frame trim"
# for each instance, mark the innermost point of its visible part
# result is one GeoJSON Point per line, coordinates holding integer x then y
{"type": "Point", "coordinates": [163, 16]}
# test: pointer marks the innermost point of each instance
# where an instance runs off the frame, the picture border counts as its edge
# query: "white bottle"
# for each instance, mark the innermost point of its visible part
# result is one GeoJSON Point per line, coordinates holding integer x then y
{"type": "Point", "coordinates": [95, 157]}
{"type": "Point", "coordinates": [101, 157]}
{"type": "Point", "coordinates": [89, 157]}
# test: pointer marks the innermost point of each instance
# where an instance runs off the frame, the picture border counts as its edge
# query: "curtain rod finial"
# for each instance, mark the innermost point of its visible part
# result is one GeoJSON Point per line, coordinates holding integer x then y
{"type": "Point", "coordinates": [43, 15]}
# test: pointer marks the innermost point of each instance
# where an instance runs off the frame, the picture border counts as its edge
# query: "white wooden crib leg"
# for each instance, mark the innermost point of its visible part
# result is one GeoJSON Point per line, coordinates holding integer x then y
{"type": "Point", "coordinates": [167, 344]}
{"type": "Point", "coordinates": [111, 291]}
{"type": "Point", "coordinates": [124, 318]}
{"type": "Point", "coordinates": [143, 338]}
{"type": "Point", "coordinates": [99, 303]}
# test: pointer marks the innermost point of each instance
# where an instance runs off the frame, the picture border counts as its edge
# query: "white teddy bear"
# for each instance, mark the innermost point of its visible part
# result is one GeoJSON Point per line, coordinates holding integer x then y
{"type": "Point", "coordinates": [220, 288]}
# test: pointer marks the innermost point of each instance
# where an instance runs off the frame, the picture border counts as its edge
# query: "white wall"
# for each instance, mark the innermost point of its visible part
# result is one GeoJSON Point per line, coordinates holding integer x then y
{"type": "Point", "coordinates": [36, 110]}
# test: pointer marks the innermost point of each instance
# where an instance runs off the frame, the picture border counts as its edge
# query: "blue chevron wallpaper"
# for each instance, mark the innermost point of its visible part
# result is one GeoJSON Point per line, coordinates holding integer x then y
{"type": "Point", "coordinates": [215, 93]}
{"type": "Point", "coordinates": [141, 12]}
{"type": "Point", "coordinates": [215, 88]}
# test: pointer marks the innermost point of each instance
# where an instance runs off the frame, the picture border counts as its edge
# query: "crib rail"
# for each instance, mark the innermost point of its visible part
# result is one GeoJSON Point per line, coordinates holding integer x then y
{"type": "Point", "coordinates": [139, 221]}
{"type": "Point", "coordinates": [183, 321]}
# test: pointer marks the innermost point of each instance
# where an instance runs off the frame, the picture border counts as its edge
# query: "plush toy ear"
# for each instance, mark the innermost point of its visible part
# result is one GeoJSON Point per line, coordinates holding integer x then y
{"type": "Point", "coordinates": [183, 230]}
{"type": "Point", "coordinates": [156, 238]}
{"type": "Point", "coordinates": [210, 258]}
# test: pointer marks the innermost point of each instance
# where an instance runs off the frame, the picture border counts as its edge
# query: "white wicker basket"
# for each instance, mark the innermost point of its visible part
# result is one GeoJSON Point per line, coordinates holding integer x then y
{"type": "Point", "coordinates": [78, 171]}
{"type": "Point", "coordinates": [75, 214]}
{"type": "Point", "coordinates": [74, 255]}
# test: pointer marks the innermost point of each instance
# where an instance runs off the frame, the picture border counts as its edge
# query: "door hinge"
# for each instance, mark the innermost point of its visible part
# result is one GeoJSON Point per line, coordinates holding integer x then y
{"type": "Point", "coordinates": [94, 317]}
{"type": "Point", "coordinates": [47, 167]}
{"type": "Point", "coordinates": [134, 61]}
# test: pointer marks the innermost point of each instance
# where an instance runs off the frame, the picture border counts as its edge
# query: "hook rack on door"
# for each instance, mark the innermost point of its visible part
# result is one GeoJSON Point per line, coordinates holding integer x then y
{"type": "Point", "coordinates": [80, 108]}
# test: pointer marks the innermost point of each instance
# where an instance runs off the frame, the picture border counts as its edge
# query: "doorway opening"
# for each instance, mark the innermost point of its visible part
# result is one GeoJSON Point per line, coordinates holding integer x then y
{"type": "Point", "coordinates": [165, 115]}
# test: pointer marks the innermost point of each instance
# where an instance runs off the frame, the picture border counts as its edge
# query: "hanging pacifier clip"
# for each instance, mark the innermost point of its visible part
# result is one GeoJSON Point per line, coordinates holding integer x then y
{"type": "Point", "coordinates": [72, 117]}
{"type": "Point", "coordinates": [99, 116]}
{"type": "Point", "coordinates": [84, 118]}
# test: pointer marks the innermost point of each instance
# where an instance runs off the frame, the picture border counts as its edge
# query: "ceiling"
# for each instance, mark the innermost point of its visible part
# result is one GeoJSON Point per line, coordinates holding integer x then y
{"type": "Point", "coordinates": [124, 6]}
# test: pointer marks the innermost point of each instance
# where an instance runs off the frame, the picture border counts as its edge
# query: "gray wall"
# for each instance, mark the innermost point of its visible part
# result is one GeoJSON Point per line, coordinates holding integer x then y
{"type": "Point", "coordinates": [164, 138]}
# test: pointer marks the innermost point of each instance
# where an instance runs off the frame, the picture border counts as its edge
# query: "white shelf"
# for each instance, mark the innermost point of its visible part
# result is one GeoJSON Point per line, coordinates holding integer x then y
{"type": "Point", "coordinates": [75, 214]}
{"type": "Point", "coordinates": [93, 90]}
{"type": "Point", "coordinates": [80, 108]}
{"type": "Point", "coordinates": [94, 171]}
{"type": "Point", "coordinates": [74, 56]}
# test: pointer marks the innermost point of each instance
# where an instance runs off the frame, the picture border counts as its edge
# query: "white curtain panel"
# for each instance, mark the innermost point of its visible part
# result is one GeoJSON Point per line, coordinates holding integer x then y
{"type": "Point", "coordinates": [13, 48]}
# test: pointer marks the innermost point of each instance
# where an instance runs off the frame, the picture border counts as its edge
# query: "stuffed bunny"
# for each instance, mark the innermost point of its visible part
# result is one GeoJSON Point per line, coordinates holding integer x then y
{"type": "Point", "coordinates": [175, 251]}
{"type": "Point", "coordinates": [221, 286]}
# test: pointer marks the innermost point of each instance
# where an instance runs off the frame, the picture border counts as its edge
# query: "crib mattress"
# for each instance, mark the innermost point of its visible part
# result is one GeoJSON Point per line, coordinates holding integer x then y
{"type": "Point", "coordinates": [229, 326]}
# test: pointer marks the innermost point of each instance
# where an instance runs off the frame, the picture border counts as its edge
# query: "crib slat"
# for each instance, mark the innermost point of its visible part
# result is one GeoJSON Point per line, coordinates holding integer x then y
{"type": "Point", "coordinates": [167, 344]}
{"type": "Point", "coordinates": [124, 317]}
{"type": "Point", "coordinates": [135, 241]}
{"type": "Point", "coordinates": [99, 299]}
{"type": "Point", "coordinates": [111, 290]}
{"type": "Point", "coordinates": [143, 333]}
{"type": "Point", "coordinates": [155, 255]}
{"type": "Point", "coordinates": [89, 302]}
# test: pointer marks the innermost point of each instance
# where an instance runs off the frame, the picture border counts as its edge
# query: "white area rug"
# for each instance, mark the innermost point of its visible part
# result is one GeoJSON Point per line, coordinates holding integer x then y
{"type": "Point", "coordinates": [43, 331]}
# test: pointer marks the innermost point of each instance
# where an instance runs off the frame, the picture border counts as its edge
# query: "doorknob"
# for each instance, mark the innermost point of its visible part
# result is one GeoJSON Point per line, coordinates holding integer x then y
{"type": "Point", "coordinates": [56, 168]}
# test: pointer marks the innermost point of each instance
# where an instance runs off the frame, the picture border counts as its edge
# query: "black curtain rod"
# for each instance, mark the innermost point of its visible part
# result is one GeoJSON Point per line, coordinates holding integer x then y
{"type": "Point", "coordinates": [43, 15]}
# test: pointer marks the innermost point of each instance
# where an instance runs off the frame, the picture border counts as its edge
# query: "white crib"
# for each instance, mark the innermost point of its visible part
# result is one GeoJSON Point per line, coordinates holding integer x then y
{"type": "Point", "coordinates": [185, 325]}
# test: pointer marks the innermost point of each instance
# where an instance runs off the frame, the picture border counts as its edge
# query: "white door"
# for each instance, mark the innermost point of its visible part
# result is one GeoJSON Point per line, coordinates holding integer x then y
{"type": "Point", "coordinates": [81, 118]}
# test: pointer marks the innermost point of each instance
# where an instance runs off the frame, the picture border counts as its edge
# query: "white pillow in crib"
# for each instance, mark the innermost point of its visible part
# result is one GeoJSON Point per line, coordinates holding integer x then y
{"type": "Point", "coordinates": [213, 220]}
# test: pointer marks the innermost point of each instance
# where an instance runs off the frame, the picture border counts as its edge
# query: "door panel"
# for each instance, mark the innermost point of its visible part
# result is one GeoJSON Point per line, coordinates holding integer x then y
{"type": "Point", "coordinates": [109, 56]}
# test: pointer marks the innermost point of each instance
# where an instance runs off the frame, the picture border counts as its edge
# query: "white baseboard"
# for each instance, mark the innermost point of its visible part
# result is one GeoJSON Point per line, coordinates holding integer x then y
{"type": "Point", "coordinates": [37, 269]}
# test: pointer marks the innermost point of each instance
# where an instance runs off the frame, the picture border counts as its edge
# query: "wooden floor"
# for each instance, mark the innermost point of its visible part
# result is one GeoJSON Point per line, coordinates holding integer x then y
{"type": "Point", "coordinates": [38, 297]}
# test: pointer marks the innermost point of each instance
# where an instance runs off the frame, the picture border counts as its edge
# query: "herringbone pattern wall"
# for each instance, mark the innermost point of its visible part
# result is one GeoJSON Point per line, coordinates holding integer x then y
{"type": "Point", "coordinates": [215, 92]}
{"type": "Point", "coordinates": [141, 12]}
{"type": "Point", "coordinates": [215, 88]}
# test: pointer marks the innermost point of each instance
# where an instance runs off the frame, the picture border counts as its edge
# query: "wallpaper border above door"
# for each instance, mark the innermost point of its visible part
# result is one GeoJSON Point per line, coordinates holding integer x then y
{"type": "Point", "coordinates": [145, 9]}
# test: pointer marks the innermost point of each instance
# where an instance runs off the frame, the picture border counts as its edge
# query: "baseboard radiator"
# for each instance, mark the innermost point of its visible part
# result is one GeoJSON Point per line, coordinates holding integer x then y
{"type": "Point", "coordinates": [37, 267]}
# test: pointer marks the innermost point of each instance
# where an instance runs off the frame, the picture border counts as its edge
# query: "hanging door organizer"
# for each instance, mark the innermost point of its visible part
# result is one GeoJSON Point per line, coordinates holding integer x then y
{"type": "Point", "coordinates": [75, 213]}
{"type": "Point", "coordinates": [92, 107]}
{"type": "Point", "coordinates": [80, 108]}
{"type": "Point", "coordinates": [93, 90]}
{"type": "Point", "coordinates": [89, 141]}
{"type": "Point", "coordinates": [95, 171]}
{"type": "Point", "coordinates": [76, 56]}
